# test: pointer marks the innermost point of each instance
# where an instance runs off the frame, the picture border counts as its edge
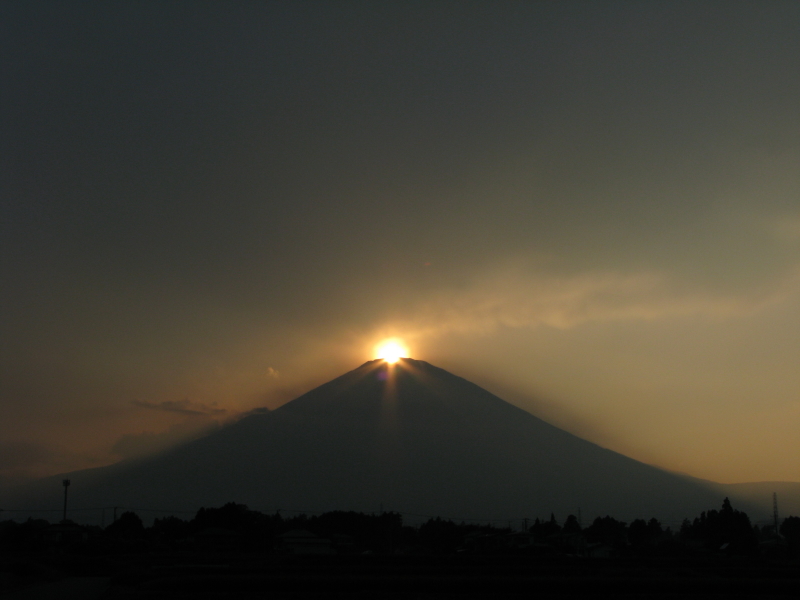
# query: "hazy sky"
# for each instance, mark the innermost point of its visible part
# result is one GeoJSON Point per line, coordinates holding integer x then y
{"type": "Point", "coordinates": [592, 209]}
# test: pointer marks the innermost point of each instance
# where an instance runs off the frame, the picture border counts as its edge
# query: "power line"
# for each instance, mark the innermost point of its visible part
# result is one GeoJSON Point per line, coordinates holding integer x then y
{"type": "Point", "coordinates": [48, 510]}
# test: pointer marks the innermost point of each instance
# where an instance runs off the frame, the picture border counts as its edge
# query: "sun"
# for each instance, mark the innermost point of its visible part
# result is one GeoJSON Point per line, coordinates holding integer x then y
{"type": "Point", "coordinates": [391, 350]}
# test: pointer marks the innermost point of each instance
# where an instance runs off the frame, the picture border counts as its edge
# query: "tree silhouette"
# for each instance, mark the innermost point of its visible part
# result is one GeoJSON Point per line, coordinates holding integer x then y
{"type": "Point", "coordinates": [790, 529]}
{"type": "Point", "coordinates": [571, 525]}
{"type": "Point", "coordinates": [542, 529]}
{"type": "Point", "coordinates": [727, 529]}
{"type": "Point", "coordinates": [643, 533]}
{"type": "Point", "coordinates": [170, 528]}
{"type": "Point", "coordinates": [236, 517]}
{"type": "Point", "coordinates": [637, 532]}
{"type": "Point", "coordinates": [377, 533]}
{"type": "Point", "coordinates": [129, 525]}
{"type": "Point", "coordinates": [440, 535]}
{"type": "Point", "coordinates": [607, 530]}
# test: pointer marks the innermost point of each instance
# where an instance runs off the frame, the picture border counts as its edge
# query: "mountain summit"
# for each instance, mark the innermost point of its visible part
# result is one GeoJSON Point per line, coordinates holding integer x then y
{"type": "Point", "coordinates": [409, 437]}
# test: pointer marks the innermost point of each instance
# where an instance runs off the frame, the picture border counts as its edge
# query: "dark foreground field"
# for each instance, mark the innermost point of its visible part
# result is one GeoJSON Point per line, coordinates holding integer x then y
{"type": "Point", "coordinates": [236, 576]}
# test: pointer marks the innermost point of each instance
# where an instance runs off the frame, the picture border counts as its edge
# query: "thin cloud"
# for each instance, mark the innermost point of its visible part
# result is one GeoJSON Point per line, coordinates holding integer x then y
{"type": "Point", "coordinates": [183, 407]}
{"type": "Point", "coordinates": [515, 298]}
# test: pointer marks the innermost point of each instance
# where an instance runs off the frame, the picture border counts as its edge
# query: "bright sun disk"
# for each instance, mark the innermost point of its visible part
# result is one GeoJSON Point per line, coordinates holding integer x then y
{"type": "Point", "coordinates": [391, 350]}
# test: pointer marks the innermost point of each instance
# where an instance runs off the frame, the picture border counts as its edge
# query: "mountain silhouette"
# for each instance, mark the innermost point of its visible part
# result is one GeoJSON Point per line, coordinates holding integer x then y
{"type": "Point", "coordinates": [408, 437]}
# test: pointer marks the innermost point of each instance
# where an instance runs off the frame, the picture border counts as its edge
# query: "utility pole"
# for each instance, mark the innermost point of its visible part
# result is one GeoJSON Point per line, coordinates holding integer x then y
{"type": "Point", "coordinates": [66, 485]}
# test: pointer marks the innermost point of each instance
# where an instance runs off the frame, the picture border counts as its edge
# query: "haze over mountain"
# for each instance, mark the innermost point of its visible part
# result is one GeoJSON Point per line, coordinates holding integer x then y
{"type": "Point", "coordinates": [409, 437]}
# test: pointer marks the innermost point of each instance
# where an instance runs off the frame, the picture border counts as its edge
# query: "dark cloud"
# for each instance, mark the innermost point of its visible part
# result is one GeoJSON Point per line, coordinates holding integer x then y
{"type": "Point", "coordinates": [183, 407]}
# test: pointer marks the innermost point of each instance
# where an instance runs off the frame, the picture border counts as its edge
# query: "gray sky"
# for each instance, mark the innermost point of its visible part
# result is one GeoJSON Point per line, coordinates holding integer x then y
{"type": "Point", "coordinates": [589, 208]}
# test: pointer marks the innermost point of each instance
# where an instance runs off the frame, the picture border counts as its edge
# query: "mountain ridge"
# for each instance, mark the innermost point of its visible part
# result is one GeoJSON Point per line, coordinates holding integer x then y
{"type": "Point", "coordinates": [410, 437]}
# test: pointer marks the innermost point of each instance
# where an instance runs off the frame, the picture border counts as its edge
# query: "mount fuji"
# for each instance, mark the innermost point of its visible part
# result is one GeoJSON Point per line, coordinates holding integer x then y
{"type": "Point", "coordinates": [408, 437]}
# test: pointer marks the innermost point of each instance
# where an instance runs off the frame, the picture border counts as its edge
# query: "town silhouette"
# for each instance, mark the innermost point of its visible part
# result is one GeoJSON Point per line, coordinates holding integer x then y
{"type": "Point", "coordinates": [233, 551]}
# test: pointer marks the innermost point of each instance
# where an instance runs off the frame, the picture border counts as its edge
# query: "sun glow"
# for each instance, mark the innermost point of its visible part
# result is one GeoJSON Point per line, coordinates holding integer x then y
{"type": "Point", "coordinates": [391, 350]}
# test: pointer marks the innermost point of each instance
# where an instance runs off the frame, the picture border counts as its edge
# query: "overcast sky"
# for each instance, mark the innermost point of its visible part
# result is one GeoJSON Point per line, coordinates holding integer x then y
{"type": "Point", "coordinates": [591, 209]}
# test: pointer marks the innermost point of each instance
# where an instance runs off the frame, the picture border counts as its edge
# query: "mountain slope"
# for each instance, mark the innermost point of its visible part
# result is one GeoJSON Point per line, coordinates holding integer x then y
{"type": "Point", "coordinates": [410, 437]}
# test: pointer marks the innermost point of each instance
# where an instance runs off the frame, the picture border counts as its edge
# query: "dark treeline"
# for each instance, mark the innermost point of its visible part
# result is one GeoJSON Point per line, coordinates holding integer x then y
{"type": "Point", "coordinates": [235, 528]}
